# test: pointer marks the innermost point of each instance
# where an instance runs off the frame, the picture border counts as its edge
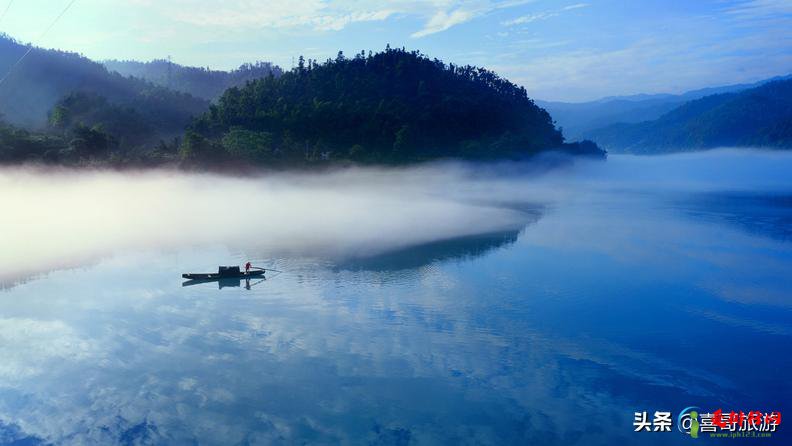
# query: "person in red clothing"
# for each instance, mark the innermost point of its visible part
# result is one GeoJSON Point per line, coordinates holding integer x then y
{"type": "Point", "coordinates": [247, 267]}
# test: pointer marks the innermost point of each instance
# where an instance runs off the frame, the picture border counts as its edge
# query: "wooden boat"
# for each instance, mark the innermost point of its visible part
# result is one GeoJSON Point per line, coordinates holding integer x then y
{"type": "Point", "coordinates": [225, 272]}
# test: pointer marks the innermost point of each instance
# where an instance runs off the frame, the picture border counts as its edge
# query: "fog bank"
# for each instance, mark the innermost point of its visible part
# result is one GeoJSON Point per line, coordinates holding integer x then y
{"type": "Point", "coordinates": [53, 219]}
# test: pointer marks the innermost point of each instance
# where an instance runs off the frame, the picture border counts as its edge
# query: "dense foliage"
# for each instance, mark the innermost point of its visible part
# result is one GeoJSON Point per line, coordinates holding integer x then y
{"type": "Point", "coordinates": [86, 129]}
{"type": "Point", "coordinates": [130, 127]}
{"type": "Point", "coordinates": [197, 81]}
{"type": "Point", "coordinates": [390, 107]}
{"type": "Point", "coordinates": [18, 145]}
{"type": "Point", "coordinates": [78, 144]}
{"type": "Point", "coordinates": [44, 77]}
{"type": "Point", "coordinates": [758, 117]}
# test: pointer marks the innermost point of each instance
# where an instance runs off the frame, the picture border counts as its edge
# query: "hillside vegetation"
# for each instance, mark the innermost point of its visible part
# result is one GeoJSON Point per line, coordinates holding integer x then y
{"type": "Point", "coordinates": [197, 81]}
{"type": "Point", "coordinates": [45, 77]}
{"type": "Point", "coordinates": [390, 107]}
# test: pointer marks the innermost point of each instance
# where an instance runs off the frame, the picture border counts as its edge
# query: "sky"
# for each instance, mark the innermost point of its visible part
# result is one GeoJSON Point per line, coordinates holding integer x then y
{"type": "Point", "coordinates": [567, 50]}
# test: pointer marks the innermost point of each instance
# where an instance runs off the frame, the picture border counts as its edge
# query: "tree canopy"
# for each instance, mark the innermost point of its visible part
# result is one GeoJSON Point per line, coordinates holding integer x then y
{"type": "Point", "coordinates": [197, 81]}
{"type": "Point", "coordinates": [390, 107]}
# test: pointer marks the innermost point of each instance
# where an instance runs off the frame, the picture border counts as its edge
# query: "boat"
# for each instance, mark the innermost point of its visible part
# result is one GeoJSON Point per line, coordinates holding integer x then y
{"type": "Point", "coordinates": [226, 272]}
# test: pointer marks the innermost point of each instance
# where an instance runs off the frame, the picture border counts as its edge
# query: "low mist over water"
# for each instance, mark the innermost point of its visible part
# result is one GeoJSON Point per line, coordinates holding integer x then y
{"type": "Point", "coordinates": [62, 218]}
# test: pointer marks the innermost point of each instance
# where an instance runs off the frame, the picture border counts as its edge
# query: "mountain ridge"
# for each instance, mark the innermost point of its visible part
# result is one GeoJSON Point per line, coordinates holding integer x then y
{"type": "Point", "coordinates": [578, 119]}
{"type": "Point", "coordinates": [34, 86]}
{"type": "Point", "coordinates": [200, 82]}
{"type": "Point", "coordinates": [756, 117]}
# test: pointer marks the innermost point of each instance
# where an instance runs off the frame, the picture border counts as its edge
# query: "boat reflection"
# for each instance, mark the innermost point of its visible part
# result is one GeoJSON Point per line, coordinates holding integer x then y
{"type": "Point", "coordinates": [227, 282]}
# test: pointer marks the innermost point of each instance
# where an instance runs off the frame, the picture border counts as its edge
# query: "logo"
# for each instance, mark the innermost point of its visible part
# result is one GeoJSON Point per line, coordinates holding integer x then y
{"type": "Point", "coordinates": [688, 421]}
{"type": "Point", "coordinates": [695, 422]}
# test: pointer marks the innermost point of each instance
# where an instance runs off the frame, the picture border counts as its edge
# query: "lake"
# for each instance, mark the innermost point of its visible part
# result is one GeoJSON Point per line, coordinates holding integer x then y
{"type": "Point", "coordinates": [443, 304]}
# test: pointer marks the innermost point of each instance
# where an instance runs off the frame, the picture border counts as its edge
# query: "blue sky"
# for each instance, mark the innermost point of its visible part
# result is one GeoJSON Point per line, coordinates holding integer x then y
{"type": "Point", "coordinates": [559, 50]}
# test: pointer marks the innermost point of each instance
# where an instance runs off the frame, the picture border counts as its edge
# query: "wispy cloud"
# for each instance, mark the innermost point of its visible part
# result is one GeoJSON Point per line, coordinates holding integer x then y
{"type": "Point", "coordinates": [443, 20]}
{"type": "Point", "coordinates": [575, 6]}
{"type": "Point", "coordinates": [543, 15]}
{"type": "Point", "coordinates": [590, 73]}
{"type": "Point", "coordinates": [317, 14]}
{"type": "Point", "coordinates": [530, 18]}
{"type": "Point", "coordinates": [756, 9]}
{"type": "Point", "coordinates": [463, 11]}
{"type": "Point", "coordinates": [330, 15]}
{"type": "Point", "coordinates": [279, 14]}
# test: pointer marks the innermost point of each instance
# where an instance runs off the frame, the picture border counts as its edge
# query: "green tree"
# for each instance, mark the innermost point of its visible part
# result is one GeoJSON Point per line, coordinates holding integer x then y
{"type": "Point", "coordinates": [196, 148]}
{"type": "Point", "coordinates": [247, 144]}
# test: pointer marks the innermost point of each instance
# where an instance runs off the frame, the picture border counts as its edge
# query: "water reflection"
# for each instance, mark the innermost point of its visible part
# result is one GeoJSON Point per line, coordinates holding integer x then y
{"type": "Point", "coordinates": [551, 333]}
{"type": "Point", "coordinates": [768, 215]}
{"type": "Point", "coordinates": [501, 346]}
{"type": "Point", "coordinates": [227, 282]}
{"type": "Point", "coordinates": [289, 364]}
{"type": "Point", "coordinates": [14, 435]}
{"type": "Point", "coordinates": [422, 255]}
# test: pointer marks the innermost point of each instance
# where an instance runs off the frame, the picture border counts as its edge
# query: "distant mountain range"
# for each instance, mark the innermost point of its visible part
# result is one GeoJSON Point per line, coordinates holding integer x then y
{"type": "Point", "coordinates": [754, 117]}
{"type": "Point", "coordinates": [580, 120]}
{"type": "Point", "coordinates": [199, 82]}
{"type": "Point", "coordinates": [44, 77]}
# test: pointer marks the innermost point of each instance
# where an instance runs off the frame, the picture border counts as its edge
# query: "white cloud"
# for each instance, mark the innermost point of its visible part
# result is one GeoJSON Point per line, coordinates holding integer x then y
{"type": "Point", "coordinates": [460, 12]}
{"type": "Point", "coordinates": [317, 14]}
{"type": "Point", "coordinates": [575, 6]}
{"type": "Point", "coordinates": [544, 15]}
{"type": "Point", "coordinates": [758, 9]}
{"type": "Point", "coordinates": [29, 347]}
{"type": "Point", "coordinates": [530, 18]}
{"type": "Point", "coordinates": [443, 20]}
{"type": "Point", "coordinates": [333, 15]}
{"type": "Point", "coordinates": [591, 73]}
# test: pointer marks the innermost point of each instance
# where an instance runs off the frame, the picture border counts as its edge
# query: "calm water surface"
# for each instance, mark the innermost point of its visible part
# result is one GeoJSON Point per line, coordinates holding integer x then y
{"type": "Point", "coordinates": [554, 333]}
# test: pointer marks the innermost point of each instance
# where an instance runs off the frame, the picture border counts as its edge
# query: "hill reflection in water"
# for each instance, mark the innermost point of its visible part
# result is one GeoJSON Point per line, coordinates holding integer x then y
{"type": "Point", "coordinates": [428, 253]}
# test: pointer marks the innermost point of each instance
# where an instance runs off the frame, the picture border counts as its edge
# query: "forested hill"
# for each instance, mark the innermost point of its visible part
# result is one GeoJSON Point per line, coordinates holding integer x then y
{"type": "Point", "coordinates": [390, 107]}
{"type": "Point", "coordinates": [758, 117]}
{"type": "Point", "coordinates": [199, 82]}
{"type": "Point", "coordinates": [45, 77]}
